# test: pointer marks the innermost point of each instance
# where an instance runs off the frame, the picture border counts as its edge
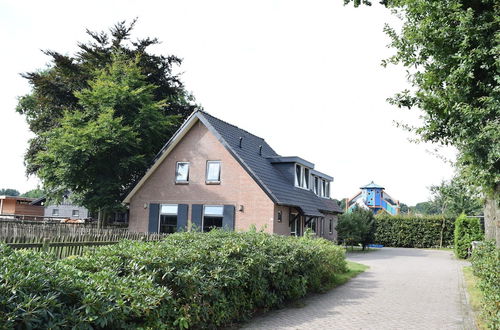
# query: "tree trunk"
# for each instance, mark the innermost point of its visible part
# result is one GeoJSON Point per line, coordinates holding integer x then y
{"type": "Point", "coordinates": [492, 216]}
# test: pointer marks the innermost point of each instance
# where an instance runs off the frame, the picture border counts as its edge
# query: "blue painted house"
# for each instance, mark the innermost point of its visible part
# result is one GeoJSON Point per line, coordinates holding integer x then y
{"type": "Point", "coordinates": [373, 197]}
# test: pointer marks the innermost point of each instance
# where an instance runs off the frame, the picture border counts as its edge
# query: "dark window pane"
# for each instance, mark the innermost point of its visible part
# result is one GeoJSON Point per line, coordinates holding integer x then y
{"type": "Point", "coordinates": [168, 224]}
{"type": "Point", "coordinates": [211, 222]}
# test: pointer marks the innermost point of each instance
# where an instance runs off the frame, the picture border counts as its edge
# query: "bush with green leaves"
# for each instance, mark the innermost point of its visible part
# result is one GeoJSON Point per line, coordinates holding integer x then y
{"type": "Point", "coordinates": [414, 231]}
{"type": "Point", "coordinates": [356, 227]}
{"type": "Point", "coordinates": [467, 230]}
{"type": "Point", "coordinates": [188, 280]}
{"type": "Point", "coordinates": [486, 266]}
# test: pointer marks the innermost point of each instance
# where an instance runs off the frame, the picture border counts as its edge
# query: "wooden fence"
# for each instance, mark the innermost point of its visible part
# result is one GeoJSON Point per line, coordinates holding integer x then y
{"type": "Point", "coordinates": [65, 240]}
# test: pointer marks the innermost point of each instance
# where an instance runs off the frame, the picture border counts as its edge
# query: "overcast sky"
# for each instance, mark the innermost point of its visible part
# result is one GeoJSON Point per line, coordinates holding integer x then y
{"type": "Point", "coordinates": [304, 75]}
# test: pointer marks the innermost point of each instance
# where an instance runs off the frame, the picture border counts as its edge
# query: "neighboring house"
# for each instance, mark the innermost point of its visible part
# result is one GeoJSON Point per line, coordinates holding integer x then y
{"type": "Point", "coordinates": [214, 174]}
{"type": "Point", "coordinates": [373, 197]}
{"type": "Point", "coordinates": [20, 207]}
{"type": "Point", "coordinates": [65, 210]}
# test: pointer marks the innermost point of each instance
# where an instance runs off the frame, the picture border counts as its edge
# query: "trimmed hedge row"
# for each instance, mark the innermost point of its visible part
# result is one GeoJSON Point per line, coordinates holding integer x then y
{"type": "Point", "coordinates": [412, 231]}
{"type": "Point", "coordinates": [200, 280]}
{"type": "Point", "coordinates": [486, 266]}
{"type": "Point", "coordinates": [467, 230]}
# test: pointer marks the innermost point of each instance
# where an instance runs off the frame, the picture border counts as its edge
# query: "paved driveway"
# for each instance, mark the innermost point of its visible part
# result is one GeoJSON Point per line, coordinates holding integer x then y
{"type": "Point", "coordinates": [402, 289]}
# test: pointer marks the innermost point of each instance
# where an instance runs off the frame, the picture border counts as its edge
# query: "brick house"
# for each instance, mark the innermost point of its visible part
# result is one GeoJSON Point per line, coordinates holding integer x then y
{"type": "Point", "coordinates": [214, 174]}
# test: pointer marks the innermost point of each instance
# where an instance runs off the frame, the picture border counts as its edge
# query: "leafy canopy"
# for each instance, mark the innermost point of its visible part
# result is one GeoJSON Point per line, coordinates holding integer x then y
{"type": "Point", "coordinates": [356, 227]}
{"type": "Point", "coordinates": [101, 149]}
{"type": "Point", "coordinates": [9, 192]}
{"type": "Point", "coordinates": [451, 49]}
{"type": "Point", "coordinates": [100, 116]}
{"type": "Point", "coordinates": [55, 89]}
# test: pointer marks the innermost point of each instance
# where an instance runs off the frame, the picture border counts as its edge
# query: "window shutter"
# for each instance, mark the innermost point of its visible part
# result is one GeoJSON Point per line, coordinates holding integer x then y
{"type": "Point", "coordinates": [196, 216]}
{"type": "Point", "coordinates": [182, 217]}
{"type": "Point", "coordinates": [154, 217]}
{"type": "Point", "coordinates": [228, 217]}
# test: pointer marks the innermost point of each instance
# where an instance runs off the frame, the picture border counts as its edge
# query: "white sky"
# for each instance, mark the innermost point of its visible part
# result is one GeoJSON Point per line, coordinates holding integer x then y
{"type": "Point", "coordinates": [304, 75]}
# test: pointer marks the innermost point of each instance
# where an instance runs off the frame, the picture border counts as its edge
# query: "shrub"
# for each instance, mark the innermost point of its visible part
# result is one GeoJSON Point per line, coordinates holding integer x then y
{"type": "Point", "coordinates": [466, 231]}
{"type": "Point", "coordinates": [486, 265]}
{"type": "Point", "coordinates": [356, 227]}
{"type": "Point", "coordinates": [413, 231]}
{"type": "Point", "coordinates": [200, 280]}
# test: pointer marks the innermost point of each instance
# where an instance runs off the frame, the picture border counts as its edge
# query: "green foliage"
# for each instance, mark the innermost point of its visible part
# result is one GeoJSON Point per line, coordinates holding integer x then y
{"type": "Point", "coordinates": [138, 91]}
{"type": "Point", "coordinates": [34, 193]}
{"type": "Point", "coordinates": [426, 208]}
{"type": "Point", "coordinates": [9, 192]}
{"type": "Point", "coordinates": [456, 197]}
{"type": "Point", "coordinates": [414, 231]}
{"type": "Point", "coordinates": [466, 231]}
{"type": "Point", "coordinates": [356, 227]}
{"type": "Point", "coordinates": [189, 280]}
{"type": "Point", "coordinates": [451, 51]}
{"type": "Point", "coordinates": [98, 152]}
{"type": "Point", "coordinates": [486, 264]}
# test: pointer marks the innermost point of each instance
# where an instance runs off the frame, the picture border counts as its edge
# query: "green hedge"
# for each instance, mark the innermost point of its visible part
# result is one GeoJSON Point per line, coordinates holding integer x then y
{"type": "Point", "coordinates": [486, 266]}
{"type": "Point", "coordinates": [200, 280]}
{"type": "Point", "coordinates": [413, 231]}
{"type": "Point", "coordinates": [467, 230]}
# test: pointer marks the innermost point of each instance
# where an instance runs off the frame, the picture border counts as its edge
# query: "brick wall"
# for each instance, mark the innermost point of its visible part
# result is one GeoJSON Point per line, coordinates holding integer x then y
{"type": "Point", "coordinates": [236, 188]}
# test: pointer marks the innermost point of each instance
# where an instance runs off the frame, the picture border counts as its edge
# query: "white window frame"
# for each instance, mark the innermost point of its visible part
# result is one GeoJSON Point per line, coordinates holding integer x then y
{"type": "Point", "coordinates": [306, 178]}
{"type": "Point", "coordinates": [177, 171]}
{"type": "Point", "coordinates": [300, 179]}
{"type": "Point", "coordinates": [315, 184]}
{"type": "Point", "coordinates": [220, 171]}
{"type": "Point", "coordinates": [55, 212]}
{"type": "Point", "coordinates": [77, 213]}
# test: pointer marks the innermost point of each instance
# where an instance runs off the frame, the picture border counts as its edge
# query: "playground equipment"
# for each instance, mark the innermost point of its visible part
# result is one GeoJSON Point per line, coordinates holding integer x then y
{"type": "Point", "coordinates": [373, 197]}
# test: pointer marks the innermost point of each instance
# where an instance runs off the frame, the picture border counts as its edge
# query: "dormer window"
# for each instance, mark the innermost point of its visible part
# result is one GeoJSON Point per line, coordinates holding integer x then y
{"type": "Point", "coordinates": [302, 176]}
{"type": "Point", "coordinates": [316, 185]}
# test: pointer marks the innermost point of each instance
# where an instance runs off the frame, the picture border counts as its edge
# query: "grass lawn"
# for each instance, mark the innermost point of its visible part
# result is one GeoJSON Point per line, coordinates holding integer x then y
{"type": "Point", "coordinates": [475, 296]}
{"type": "Point", "coordinates": [354, 269]}
{"type": "Point", "coordinates": [358, 249]}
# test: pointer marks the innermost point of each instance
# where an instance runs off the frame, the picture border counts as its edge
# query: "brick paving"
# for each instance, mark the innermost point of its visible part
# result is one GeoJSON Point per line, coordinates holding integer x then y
{"type": "Point", "coordinates": [402, 289]}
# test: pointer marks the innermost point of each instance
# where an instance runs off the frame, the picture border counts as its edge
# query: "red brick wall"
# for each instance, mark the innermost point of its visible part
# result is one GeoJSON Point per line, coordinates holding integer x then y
{"type": "Point", "coordinates": [236, 187]}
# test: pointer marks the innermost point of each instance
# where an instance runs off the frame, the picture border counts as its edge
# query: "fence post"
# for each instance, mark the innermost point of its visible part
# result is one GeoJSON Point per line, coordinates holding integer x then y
{"type": "Point", "coordinates": [45, 244]}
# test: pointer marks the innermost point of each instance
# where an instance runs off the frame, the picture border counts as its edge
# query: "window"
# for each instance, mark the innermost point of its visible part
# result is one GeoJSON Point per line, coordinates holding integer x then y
{"type": "Point", "coordinates": [316, 185]}
{"type": "Point", "coordinates": [294, 225]}
{"type": "Point", "coordinates": [280, 216]}
{"type": "Point", "coordinates": [298, 175]}
{"type": "Point", "coordinates": [331, 226]}
{"type": "Point", "coordinates": [212, 217]}
{"type": "Point", "coordinates": [55, 212]}
{"type": "Point", "coordinates": [305, 181]}
{"type": "Point", "coordinates": [302, 176]}
{"type": "Point", "coordinates": [182, 172]}
{"type": "Point", "coordinates": [213, 171]}
{"type": "Point", "coordinates": [312, 225]}
{"type": "Point", "coordinates": [168, 218]}
{"type": "Point", "coordinates": [75, 213]}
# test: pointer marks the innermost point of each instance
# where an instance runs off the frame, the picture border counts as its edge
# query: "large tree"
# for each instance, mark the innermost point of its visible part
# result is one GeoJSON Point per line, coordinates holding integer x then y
{"type": "Point", "coordinates": [54, 88]}
{"type": "Point", "coordinates": [101, 115]}
{"type": "Point", "coordinates": [451, 49]}
{"type": "Point", "coordinates": [9, 192]}
{"type": "Point", "coordinates": [99, 151]}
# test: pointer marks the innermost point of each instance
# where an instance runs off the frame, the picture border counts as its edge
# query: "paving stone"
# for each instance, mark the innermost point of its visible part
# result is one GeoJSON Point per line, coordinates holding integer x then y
{"type": "Point", "coordinates": [402, 289]}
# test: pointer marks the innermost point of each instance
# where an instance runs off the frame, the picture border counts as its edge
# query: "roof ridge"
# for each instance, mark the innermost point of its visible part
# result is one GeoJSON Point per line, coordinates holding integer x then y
{"type": "Point", "coordinates": [225, 122]}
